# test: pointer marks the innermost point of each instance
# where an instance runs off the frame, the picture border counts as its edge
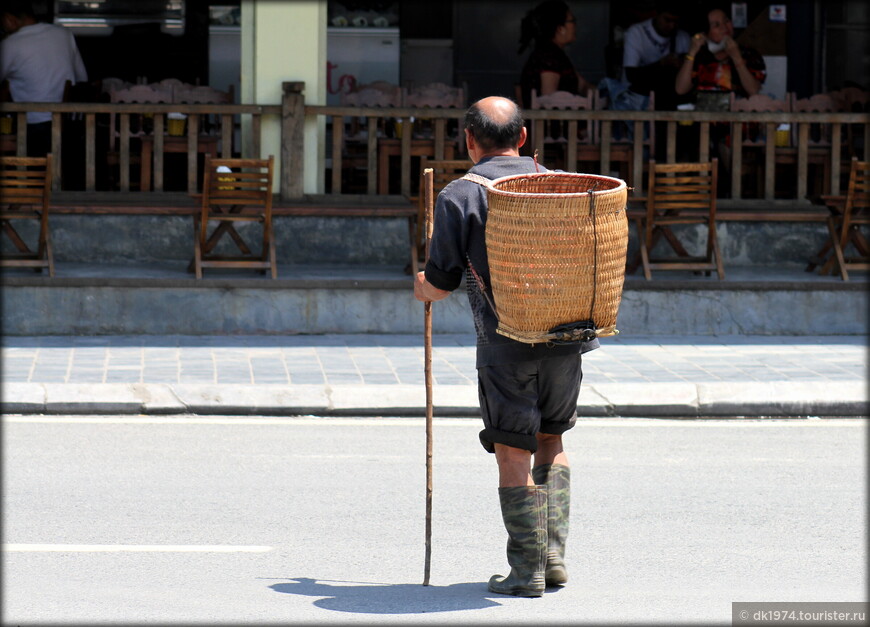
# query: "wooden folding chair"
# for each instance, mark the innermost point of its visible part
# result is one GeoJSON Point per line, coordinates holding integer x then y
{"type": "Point", "coordinates": [679, 193]}
{"type": "Point", "coordinates": [856, 214]}
{"type": "Point", "coordinates": [444, 171]}
{"type": "Point", "coordinates": [25, 187]}
{"type": "Point", "coordinates": [240, 191]}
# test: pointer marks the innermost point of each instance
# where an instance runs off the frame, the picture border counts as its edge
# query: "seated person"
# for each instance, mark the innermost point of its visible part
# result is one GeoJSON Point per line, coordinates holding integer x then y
{"type": "Point", "coordinates": [551, 26]}
{"type": "Point", "coordinates": [716, 66]}
{"type": "Point", "coordinates": [651, 55]}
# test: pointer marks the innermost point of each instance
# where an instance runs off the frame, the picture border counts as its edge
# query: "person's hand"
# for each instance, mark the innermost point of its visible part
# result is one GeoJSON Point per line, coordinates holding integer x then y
{"type": "Point", "coordinates": [732, 49]}
{"type": "Point", "coordinates": [420, 287]}
{"type": "Point", "coordinates": [698, 41]}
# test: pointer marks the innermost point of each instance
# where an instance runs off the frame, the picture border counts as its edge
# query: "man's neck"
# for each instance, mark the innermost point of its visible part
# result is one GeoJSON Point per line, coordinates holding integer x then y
{"type": "Point", "coordinates": [507, 152]}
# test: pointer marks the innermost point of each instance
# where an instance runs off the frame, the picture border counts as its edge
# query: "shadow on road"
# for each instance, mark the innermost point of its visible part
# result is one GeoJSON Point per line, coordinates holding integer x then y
{"type": "Point", "coordinates": [377, 598]}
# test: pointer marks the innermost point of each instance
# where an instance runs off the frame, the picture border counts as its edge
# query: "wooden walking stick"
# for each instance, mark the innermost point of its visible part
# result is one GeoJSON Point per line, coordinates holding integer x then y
{"type": "Point", "coordinates": [429, 205]}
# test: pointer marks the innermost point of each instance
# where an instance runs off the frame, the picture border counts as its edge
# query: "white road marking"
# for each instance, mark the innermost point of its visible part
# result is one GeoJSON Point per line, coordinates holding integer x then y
{"type": "Point", "coordinates": [473, 421]}
{"type": "Point", "coordinates": [133, 548]}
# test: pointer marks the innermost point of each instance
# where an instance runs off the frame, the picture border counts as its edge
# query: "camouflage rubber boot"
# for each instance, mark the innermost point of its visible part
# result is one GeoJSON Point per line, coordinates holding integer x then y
{"type": "Point", "coordinates": [557, 478]}
{"type": "Point", "coordinates": [524, 511]}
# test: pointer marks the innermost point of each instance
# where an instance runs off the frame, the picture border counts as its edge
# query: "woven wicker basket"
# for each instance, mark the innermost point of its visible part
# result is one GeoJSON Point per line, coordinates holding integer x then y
{"type": "Point", "coordinates": [556, 244]}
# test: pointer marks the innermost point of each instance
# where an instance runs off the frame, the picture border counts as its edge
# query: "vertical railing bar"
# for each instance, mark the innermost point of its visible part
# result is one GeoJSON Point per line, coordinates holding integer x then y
{"type": "Point", "coordinates": [124, 149]}
{"type": "Point", "coordinates": [571, 156]}
{"type": "Point", "coordinates": [704, 143]}
{"type": "Point", "coordinates": [736, 159]}
{"type": "Point", "coordinates": [606, 136]}
{"type": "Point", "coordinates": [637, 167]}
{"type": "Point", "coordinates": [158, 156]}
{"type": "Point", "coordinates": [192, 136]}
{"type": "Point", "coordinates": [256, 126]}
{"type": "Point", "coordinates": [90, 152]}
{"type": "Point", "coordinates": [440, 134]}
{"type": "Point", "coordinates": [56, 151]}
{"type": "Point", "coordinates": [227, 136]}
{"type": "Point", "coordinates": [802, 161]}
{"type": "Point", "coordinates": [836, 146]}
{"type": "Point", "coordinates": [337, 144]}
{"type": "Point", "coordinates": [372, 154]}
{"type": "Point", "coordinates": [406, 162]}
{"type": "Point", "coordinates": [769, 160]}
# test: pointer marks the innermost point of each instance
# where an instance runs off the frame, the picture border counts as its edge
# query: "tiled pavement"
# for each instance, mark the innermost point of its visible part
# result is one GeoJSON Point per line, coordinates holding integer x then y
{"type": "Point", "coordinates": [383, 375]}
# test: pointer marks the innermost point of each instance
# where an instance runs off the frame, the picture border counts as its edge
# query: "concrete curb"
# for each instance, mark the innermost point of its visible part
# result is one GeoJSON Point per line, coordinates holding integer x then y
{"type": "Point", "coordinates": [673, 400]}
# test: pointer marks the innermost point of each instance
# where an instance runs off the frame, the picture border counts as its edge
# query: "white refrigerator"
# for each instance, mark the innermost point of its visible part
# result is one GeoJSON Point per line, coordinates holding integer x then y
{"type": "Point", "coordinates": [359, 55]}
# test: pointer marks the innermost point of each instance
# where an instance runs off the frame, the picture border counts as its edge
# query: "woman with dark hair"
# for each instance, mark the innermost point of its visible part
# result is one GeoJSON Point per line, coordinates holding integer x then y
{"type": "Point", "coordinates": [550, 26]}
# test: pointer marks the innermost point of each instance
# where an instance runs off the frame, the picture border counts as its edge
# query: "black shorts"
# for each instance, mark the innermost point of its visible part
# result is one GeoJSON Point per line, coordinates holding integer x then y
{"type": "Point", "coordinates": [519, 400]}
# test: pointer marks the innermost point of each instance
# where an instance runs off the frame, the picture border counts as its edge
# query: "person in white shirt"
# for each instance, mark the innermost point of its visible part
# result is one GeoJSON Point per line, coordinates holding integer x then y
{"type": "Point", "coordinates": [37, 59]}
{"type": "Point", "coordinates": [652, 52]}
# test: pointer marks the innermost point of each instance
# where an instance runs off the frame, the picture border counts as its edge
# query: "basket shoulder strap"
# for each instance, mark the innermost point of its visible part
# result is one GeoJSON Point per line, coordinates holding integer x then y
{"type": "Point", "coordinates": [477, 178]}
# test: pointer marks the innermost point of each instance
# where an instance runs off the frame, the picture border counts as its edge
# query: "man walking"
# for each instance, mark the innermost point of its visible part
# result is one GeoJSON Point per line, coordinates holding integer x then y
{"type": "Point", "coordinates": [528, 392]}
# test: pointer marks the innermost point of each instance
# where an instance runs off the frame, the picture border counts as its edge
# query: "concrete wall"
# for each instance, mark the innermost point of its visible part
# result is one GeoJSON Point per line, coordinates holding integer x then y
{"type": "Point", "coordinates": [374, 241]}
{"type": "Point", "coordinates": [187, 307]}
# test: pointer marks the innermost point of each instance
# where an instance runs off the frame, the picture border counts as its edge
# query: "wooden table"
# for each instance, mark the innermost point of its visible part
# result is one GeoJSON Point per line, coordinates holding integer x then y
{"type": "Point", "coordinates": [388, 147]}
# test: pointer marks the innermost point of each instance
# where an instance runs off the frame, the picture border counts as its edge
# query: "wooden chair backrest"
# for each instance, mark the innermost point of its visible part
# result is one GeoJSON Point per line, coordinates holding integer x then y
{"type": "Point", "coordinates": [25, 181]}
{"type": "Point", "coordinates": [676, 186]}
{"type": "Point", "coordinates": [818, 103]}
{"type": "Point", "coordinates": [202, 94]}
{"type": "Point", "coordinates": [248, 182]}
{"type": "Point", "coordinates": [113, 83]}
{"type": "Point", "coordinates": [142, 93]}
{"type": "Point", "coordinates": [561, 100]}
{"type": "Point", "coordinates": [759, 102]}
{"type": "Point", "coordinates": [172, 83]}
{"type": "Point", "coordinates": [435, 95]}
{"type": "Point", "coordinates": [852, 99]}
{"type": "Point", "coordinates": [858, 192]}
{"type": "Point", "coordinates": [376, 94]}
{"type": "Point", "coordinates": [445, 171]}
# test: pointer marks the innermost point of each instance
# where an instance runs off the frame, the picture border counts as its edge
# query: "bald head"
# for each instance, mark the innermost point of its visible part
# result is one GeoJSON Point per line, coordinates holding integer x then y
{"type": "Point", "coordinates": [496, 123]}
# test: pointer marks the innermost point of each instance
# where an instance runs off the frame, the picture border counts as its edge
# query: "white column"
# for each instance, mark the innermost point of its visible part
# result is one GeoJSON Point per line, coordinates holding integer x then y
{"type": "Point", "coordinates": [285, 40]}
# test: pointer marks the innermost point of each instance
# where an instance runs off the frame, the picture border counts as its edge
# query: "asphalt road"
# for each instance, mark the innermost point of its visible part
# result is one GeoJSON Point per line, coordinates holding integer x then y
{"type": "Point", "coordinates": [300, 520]}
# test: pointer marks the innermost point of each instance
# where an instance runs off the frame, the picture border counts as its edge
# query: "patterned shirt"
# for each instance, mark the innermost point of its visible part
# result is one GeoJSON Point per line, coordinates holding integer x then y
{"type": "Point", "coordinates": [710, 74]}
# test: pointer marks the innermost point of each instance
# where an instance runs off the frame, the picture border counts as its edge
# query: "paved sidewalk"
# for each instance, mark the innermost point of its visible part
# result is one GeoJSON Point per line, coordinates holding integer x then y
{"type": "Point", "coordinates": [374, 375]}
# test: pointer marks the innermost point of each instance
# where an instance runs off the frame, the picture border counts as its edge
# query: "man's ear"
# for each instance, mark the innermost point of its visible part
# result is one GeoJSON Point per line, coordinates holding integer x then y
{"type": "Point", "coordinates": [469, 140]}
{"type": "Point", "coordinates": [523, 136]}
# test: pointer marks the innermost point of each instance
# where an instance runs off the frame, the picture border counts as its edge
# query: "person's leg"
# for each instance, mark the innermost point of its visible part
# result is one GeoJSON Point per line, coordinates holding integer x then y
{"type": "Point", "coordinates": [508, 402]}
{"type": "Point", "coordinates": [560, 389]}
{"type": "Point", "coordinates": [513, 466]}
{"type": "Point", "coordinates": [550, 450]}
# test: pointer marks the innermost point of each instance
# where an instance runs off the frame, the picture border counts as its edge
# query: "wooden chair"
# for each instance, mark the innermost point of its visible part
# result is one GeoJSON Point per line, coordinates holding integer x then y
{"type": "Point", "coordinates": [235, 190]}
{"type": "Point", "coordinates": [679, 193]}
{"type": "Point", "coordinates": [570, 142]}
{"type": "Point", "coordinates": [444, 172]}
{"type": "Point", "coordinates": [25, 188]}
{"type": "Point", "coordinates": [856, 214]}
